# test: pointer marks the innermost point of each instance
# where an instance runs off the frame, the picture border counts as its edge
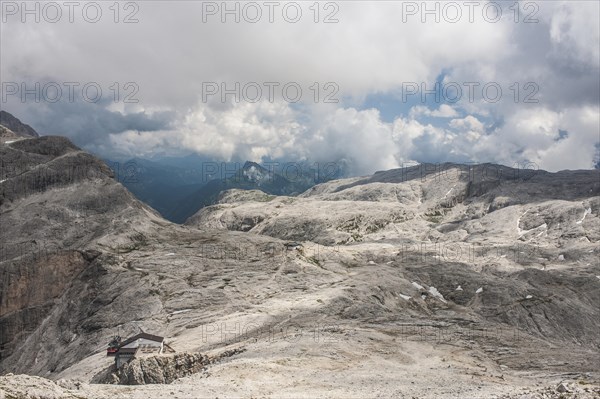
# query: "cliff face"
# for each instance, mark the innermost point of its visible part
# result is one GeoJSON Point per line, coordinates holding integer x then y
{"type": "Point", "coordinates": [30, 287]}
{"type": "Point", "coordinates": [56, 202]}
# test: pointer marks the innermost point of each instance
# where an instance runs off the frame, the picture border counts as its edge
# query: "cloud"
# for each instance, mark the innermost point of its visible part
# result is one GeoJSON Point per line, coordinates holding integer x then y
{"type": "Point", "coordinates": [444, 111]}
{"type": "Point", "coordinates": [89, 125]}
{"type": "Point", "coordinates": [171, 52]}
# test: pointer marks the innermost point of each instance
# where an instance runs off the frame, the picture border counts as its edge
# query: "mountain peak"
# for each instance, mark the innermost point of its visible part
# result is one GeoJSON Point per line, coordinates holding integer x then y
{"type": "Point", "coordinates": [14, 125]}
{"type": "Point", "coordinates": [250, 164]}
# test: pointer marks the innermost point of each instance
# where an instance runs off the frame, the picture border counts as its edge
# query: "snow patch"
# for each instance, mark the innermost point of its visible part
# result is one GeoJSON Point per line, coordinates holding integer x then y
{"type": "Point", "coordinates": [519, 231]}
{"type": "Point", "coordinates": [449, 191]}
{"type": "Point", "coordinates": [544, 227]}
{"type": "Point", "coordinates": [589, 210]}
{"type": "Point", "coordinates": [433, 291]}
{"type": "Point", "coordinates": [528, 297]}
{"type": "Point", "coordinates": [561, 257]}
{"type": "Point", "coordinates": [479, 290]}
{"type": "Point", "coordinates": [405, 297]}
{"type": "Point", "coordinates": [182, 311]}
{"type": "Point", "coordinates": [459, 288]}
{"type": "Point", "coordinates": [254, 174]}
{"type": "Point", "coordinates": [170, 254]}
{"type": "Point", "coordinates": [417, 286]}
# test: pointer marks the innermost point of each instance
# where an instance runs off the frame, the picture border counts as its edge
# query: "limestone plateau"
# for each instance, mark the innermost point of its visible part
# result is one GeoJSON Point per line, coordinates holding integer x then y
{"type": "Point", "coordinates": [435, 281]}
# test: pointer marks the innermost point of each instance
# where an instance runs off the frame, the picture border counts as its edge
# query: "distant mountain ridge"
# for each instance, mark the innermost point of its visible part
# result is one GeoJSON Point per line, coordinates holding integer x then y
{"type": "Point", "coordinates": [179, 192]}
{"type": "Point", "coordinates": [178, 187]}
{"type": "Point", "coordinates": [159, 185]}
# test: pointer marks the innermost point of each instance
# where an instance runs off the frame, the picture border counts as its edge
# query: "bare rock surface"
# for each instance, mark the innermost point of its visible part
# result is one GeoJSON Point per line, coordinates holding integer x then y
{"type": "Point", "coordinates": [12, 127]}
{"type": "Point", "coordinates": [406, 284]}
{"type": "Point", "coordinates": [158, 369]}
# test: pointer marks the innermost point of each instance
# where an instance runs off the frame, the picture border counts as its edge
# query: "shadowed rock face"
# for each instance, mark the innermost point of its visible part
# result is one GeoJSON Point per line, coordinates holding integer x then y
{"type": "Point", "coordinates": [34, 166]}
{"type": "Point", "coordinates": [29, 289]}
{"type": "Point", "coordinates": [54, 200]}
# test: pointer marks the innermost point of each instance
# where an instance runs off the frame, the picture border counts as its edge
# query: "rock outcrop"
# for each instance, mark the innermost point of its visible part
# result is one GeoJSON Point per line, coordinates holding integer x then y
{"type": "Point", "coordinates": [157, 369]}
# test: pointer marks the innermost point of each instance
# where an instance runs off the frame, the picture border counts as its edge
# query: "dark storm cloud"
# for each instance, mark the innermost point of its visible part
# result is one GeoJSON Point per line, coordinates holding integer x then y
{"type": "Point", "coordinates": [88, 123]}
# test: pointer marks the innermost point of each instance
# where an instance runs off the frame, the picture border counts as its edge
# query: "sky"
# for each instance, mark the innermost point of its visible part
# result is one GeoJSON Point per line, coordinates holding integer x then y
{"type": "Point", "coordinates": [376, 84]}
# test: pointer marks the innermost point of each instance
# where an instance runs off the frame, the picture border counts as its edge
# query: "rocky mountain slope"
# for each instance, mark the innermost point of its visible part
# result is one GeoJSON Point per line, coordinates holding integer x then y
{"type": "Point", "coordinates": [12, 128]}
{"type": "Point", "coordinates": [426, 202]}
{"type": "Point", "coordinates": [405, 285]}
{"type": "Point", "coordinates": [54, 200]}
{"type": "Point", "coordinates": [515, 247]}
